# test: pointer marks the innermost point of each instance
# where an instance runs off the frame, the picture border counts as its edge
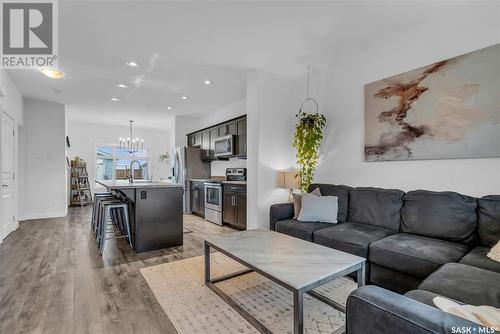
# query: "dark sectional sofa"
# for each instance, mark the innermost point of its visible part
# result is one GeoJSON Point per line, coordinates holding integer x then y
{"type": "Point", "coordinates": [421, 244]}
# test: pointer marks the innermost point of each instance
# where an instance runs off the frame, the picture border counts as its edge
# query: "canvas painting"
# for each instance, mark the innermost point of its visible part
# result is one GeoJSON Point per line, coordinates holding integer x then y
{"type": "Point", "coordinates": [450, 109]}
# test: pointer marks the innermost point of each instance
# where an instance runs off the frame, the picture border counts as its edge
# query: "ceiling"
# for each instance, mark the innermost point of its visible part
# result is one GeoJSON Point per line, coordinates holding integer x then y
{"type": "Point", "coordinates": [180, 44]}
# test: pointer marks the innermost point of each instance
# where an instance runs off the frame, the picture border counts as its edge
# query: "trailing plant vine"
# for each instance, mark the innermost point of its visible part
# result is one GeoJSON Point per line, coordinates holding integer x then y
{"type": "Point", "coordinates": [307, 141]}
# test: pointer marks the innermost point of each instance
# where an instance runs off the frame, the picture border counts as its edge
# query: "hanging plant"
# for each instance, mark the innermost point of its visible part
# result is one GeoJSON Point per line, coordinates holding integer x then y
{"type": "Point", "coordinates": [307, 141]}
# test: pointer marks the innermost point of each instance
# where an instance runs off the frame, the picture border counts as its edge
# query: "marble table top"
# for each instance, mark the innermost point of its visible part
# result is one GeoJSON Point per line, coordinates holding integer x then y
{"type": "Point", "coordinates": [293, 261]}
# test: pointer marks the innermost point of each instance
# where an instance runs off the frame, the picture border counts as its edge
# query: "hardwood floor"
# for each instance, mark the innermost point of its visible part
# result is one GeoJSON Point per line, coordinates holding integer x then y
{"type": "Point", "coordinates": [52, 279]}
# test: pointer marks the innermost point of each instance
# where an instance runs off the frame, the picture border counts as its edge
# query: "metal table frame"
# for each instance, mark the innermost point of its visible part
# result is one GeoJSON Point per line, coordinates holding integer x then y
{"type": "Point", "coordinates": [298, 294]}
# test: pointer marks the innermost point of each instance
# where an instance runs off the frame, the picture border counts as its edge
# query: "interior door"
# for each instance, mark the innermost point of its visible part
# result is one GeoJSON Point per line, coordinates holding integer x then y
{"type": "Point", "coordinates": [7, 216]}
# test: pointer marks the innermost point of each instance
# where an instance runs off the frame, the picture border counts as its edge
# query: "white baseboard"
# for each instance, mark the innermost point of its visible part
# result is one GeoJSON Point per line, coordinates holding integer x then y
{"type": "Point", "coordinates": [8, 229]}
{"type": "Point", "coordinates": [44, 215]}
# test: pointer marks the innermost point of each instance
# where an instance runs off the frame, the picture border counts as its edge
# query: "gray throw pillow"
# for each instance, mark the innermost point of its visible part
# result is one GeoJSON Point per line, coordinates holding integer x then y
{"type": "Point", "coordinates": [297, 201]}
{"type": "Point", "coordinates": [319, 209]}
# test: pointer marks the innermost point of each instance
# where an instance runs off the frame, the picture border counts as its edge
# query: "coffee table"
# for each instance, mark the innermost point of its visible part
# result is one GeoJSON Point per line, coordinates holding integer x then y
{"type": "Point", "coordinates": [298, 265]}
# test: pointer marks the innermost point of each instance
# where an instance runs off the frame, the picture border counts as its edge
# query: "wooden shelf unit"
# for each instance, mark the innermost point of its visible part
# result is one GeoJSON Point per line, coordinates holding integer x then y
{"type": "Point", "coordinates": [80, 193]}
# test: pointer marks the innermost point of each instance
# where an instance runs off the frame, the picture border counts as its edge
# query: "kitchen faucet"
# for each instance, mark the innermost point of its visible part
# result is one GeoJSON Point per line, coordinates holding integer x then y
{"type": "Point", "coordinates": [131, 175]}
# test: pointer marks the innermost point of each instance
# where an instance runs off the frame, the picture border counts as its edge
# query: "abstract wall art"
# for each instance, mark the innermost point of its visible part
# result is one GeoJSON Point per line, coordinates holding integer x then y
{"type": "Point", "coordinates": [450, 109]}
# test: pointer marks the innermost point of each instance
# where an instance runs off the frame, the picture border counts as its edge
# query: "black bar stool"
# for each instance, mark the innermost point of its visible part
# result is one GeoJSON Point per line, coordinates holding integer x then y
{"type": "Point", "coordinates": [106, 207]}
{"type": "Point", "coordinates": [97, 197]}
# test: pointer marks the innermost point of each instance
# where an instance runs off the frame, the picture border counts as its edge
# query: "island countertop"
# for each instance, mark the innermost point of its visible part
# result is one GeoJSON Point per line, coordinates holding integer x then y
{"type": "Point", "coordinates": [124, 184]}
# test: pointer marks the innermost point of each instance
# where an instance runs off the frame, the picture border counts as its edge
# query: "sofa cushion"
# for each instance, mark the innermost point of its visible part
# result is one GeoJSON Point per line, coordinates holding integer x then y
{"type": "Point", "coordinates": [301, 230]}
{"type": "Point", "coordinates": [340, 191]}
{"type": "Point", "coordinates": [353, 238]}
{"type": "Point", "coordinates": [415, 255]}
{"type": "Point", "coordinates": [374, 206]}
{"type": "Point", "coordinates": [443, 215]}
{"type": "Point", "coordinates": [426, 297]}
{"type": "Point", "coordinates": [466, 284]}
{"type": "Point", "coordinates": [477, 258]}
{"type": "Point", "coordinates": [489, 220]}
{"type": "Point", "coordinates": [392, 279]}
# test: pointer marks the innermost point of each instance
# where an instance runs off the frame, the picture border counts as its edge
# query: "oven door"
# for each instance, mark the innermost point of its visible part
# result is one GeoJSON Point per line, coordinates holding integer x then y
{"type": "Point", "coordinates": [213, 196]}
{"type": "Point", "coordinates": [224, 146]}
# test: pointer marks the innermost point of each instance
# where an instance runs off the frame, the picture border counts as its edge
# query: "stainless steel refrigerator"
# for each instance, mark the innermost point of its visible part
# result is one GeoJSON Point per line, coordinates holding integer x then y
{"type": "Point", "coordinates": [188, 165]}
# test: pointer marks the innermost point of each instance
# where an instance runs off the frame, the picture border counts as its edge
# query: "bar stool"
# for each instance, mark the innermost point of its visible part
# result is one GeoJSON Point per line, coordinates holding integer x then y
{"type": "Point", "coordinates": [106, 208]}
{"type": "Point", "coordinates": [97, 197]}
{"type": "Point", "coordinates": [100, 215]}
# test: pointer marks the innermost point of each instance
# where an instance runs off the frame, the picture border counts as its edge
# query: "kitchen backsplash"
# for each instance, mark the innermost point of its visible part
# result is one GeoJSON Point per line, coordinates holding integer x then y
{"type": "Point", "coordinates": [218, 167]}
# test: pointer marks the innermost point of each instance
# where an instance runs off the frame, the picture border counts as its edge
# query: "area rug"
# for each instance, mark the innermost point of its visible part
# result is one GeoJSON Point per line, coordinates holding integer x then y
{"type": "Point", "coordinates": [193, 308]}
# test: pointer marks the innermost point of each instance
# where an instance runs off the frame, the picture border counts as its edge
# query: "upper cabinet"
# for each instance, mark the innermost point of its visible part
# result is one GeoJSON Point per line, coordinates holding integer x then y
{"type": "Point", "coordinates": [241, 131]}
{"type": "Point", "coordinates": [205, 139]}
{"type": "Point", "coordinates": [194, 140]}
{"type": "Point", "coordinates": [227, 129]}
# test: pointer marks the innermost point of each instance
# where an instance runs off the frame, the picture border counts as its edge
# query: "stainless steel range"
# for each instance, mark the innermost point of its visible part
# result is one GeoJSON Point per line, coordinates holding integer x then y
{"type": "Point", "coordinates": [213, 194]}
{"type": "Point", "coordinates": [213, 202]}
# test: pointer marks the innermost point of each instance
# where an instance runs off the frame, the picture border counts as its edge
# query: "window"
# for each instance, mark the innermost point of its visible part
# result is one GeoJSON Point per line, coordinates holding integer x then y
{"type": "Point", "coordinates": [113, 163]}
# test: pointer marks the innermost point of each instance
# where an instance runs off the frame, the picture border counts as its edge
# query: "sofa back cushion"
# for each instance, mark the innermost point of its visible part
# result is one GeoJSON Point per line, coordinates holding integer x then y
{"type": "Point", "coordinates": [444, 215]}
{"type": "Point", "coordinates": [375, 206]}
{"type": "Point", "coordinates": [340, 191]}
{"type": "Point", "coordinates": [489, 220]}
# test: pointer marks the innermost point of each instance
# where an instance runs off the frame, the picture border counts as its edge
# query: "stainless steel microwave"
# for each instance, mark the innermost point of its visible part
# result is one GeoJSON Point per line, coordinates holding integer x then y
{"type": "Point", "coordinates": [224, 146]}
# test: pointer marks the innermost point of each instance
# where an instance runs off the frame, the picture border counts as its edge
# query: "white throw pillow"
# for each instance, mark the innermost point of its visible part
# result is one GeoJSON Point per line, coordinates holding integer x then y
{"type": "Point", "coordinates": [318, 209]}
{"type": "Point", "coordinates": [494, 253]}
{"type": "Point", "coordinates": [487, 316]}
{"type": "Point", "coordinates": [297, 201]}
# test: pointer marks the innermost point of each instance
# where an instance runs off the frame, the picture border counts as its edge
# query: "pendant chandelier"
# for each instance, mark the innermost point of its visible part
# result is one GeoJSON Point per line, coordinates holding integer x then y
{"type": "Point", "coordinates": [130, 144]}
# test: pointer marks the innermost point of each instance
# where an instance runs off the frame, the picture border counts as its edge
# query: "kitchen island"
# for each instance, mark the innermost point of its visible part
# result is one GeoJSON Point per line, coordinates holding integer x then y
{"type": "Point", "coordinates": [155, 210]}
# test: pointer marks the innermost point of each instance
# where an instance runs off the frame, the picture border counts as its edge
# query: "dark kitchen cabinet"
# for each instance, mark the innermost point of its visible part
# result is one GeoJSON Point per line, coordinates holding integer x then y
{"type": "Point", "coordinates": [241, 210]}
{"type": "Point", "coordinates": [214, 133]}
{"type": "Point", "coordinates": [235, 206]}
{"type": "Point", "coordinates": [198, 198]}
{"type": "Point", "coordinates": [205, 138]}
{"type": "Point", "coordinates": [194, 140]}
{"type": "Point", "coordinates": [206, 153]}
{"type": "Point", "coordinates": [229, 214]}
{"type": "Point", "coordinates": [241, 131]}
{"type": "Point", "coordinates": [227, 129]}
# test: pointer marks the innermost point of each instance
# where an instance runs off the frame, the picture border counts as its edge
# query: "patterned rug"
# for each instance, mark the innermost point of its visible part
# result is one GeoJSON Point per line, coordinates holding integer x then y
{"type": "Point", "coordinates": [194, 308]}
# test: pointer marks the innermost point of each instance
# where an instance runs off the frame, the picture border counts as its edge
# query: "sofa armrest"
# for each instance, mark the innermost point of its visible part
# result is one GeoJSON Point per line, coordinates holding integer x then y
{"type": "Point", "coordinates": [279, 212]}
{"type": "Point", "coordinates": [374, 310]}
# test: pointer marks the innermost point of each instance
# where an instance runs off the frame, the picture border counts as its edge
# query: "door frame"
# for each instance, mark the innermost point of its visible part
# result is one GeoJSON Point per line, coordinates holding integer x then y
{"type": "Point", "coordinates": [15, 223]}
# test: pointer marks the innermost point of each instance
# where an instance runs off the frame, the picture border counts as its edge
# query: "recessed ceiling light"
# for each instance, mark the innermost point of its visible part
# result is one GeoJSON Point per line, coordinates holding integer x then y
{"type": "Point", "coordinates": [114, 99]}
{"type": "Point", "coordinates": [132, 64]}
{"type": "Point", "coordinates": [184, 97]}
{"type": "Point", "coordinates": [52, 73]}
{"type": "Point", "coordinates": [122, 86]}
{"type": "Point", "coordinates": [169, 108]}
{"type": "Point", "coordinates": [207, 82]}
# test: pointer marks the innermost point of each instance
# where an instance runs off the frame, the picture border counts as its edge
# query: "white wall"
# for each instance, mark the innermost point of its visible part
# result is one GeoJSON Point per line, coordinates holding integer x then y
{"type": "Point", "coordinates": [12, 104]}
{"type": "Point", "coordinates": [185, 124]}
{"type": "Point", "coordinates": [85, 136]}
{"type": "Point", "coordinates": [270, 118]}
{"type": "Point", "coordinates": [45, 163]}
{"type": "Point", "coordinates": [342, 161]}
